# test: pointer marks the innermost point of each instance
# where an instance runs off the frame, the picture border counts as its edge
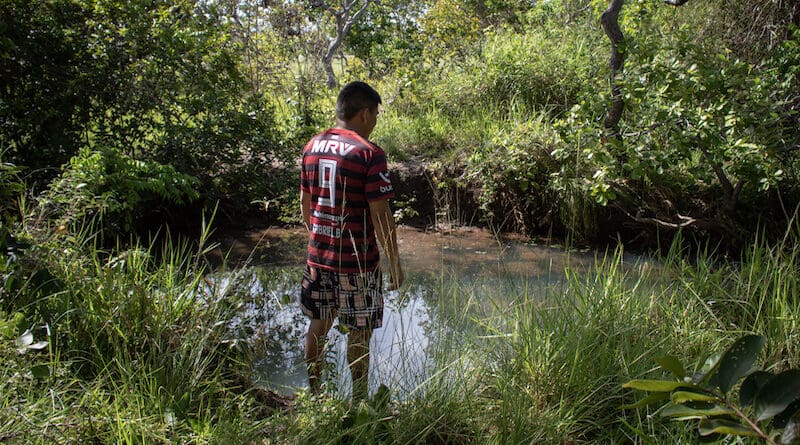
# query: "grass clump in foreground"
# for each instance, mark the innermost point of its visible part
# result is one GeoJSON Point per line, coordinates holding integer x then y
{"type": "Point", "coordinates": [140, 349]}
{"type": "Point", "coordinates": [550, 366]}
{"type": "Point", "coordinates": [561, 375]}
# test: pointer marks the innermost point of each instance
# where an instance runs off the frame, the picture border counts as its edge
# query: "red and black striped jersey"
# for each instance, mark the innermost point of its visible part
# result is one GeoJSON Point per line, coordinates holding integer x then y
{"type": "Point", "coordinates": [343, 173]}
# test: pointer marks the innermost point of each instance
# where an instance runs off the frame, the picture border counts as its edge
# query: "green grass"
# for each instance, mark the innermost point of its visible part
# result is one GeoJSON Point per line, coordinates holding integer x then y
{"type": "Point", "coordinates": [140, 352]}
{"type": "Point", "coordinates": [139, 349]}
{"type": "Point", "coordinates": [550, 368]}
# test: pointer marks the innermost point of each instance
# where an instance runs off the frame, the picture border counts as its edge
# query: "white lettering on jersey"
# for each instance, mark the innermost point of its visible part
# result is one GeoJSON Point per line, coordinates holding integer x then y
{"type": "Point", "coordinates": [388, 187]}
{"type": "Point", "coordinates": [333, 232]}
{"type": "Point", "coordinates": [327, 180]}
{"type": "Point", "coordinates": [331, 146]}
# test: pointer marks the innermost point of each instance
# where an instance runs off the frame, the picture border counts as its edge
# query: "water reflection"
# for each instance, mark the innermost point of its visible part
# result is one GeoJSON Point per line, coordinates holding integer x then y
{"type": "Point", "coordinates": [451, 279]}
{"type": "Point", "coordinates": [399, 348]}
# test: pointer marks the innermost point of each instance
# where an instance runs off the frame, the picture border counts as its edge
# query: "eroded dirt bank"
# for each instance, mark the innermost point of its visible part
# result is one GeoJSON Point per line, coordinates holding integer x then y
{"type": "Point", "coordinates": [438, 196]}
{"type": "Point", "coordinates": [421, 249]}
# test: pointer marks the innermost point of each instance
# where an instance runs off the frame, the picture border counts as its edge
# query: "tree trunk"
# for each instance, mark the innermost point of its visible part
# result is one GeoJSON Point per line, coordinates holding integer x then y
{"type": "Point", "coordinates": [345, 19]}
{"type": "Point", "coordinates": [327, 58]}
{"type": "Point", "coordinates": [730, 192]}
{"type": "Point", "coordinates": [327, 64]}
{"type": "Point", "coordinates": [609, 21]}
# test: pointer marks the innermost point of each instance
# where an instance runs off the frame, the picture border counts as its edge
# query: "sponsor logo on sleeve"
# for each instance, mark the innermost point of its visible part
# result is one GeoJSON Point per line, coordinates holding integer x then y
{"type": "Point", "coordinates": [388, 187]}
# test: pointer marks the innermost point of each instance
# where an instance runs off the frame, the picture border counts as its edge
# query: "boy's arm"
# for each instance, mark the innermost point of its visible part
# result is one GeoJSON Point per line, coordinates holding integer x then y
{"type": "Point", "coordinates": [305, 208]}
{"type": "Point", "coordinates": [383, 220]}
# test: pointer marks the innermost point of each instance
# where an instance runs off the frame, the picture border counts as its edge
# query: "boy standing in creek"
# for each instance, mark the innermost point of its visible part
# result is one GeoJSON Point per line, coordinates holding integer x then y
{"type": "Point", "coordinates": [344, 193]}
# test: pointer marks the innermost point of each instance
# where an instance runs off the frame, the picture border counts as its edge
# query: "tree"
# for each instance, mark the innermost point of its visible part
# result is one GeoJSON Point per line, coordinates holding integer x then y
{"type": "Point", "coordinates": [610, 22]}
{"type": "Point", "coordinates": [452, 28]}
{"type": "Point", "coordinates": [703, 110]}
{"type": "Point", "coordinates": [159, 80]}
{"type": "Point", "coordinates": [387, 38]}
{"type": "Point", "coordinates": [46, 85]}
{"type": "Point", "coordinates": [345, 14]}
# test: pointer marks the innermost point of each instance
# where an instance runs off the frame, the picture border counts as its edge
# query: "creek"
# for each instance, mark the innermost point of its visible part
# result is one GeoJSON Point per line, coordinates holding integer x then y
{"type": "Point", "coordinates": [453, 279]}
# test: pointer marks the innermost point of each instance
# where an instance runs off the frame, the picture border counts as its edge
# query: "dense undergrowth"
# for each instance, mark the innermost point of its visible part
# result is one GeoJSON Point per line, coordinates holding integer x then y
{"type": "Point", "coordinates": [136, 345]}
{"type": "Point", "coordinates": [177, 103]}
{"type": "Point", "coordinates": [116, 115]}
{"type": "Point", "coordinates": [708, 139]}
{"type": "Point", "coordinates": [137, 348]}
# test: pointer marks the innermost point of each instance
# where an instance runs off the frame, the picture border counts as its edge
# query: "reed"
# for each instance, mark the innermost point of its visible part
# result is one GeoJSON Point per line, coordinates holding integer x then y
{"type": "Point", "coordinates": [549, 367]}
{"type": "Point", "coordinates": [141, 349]}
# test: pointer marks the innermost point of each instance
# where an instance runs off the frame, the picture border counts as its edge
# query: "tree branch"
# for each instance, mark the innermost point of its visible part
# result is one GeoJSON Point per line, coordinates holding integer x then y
{"type": "Point", "coordinates": [358, 14]}
{"type": "Point", "coordinates": [727, 187]}
{"type": "Point", "coordinates": [685, 220]}
{"type": "Point", "coordinates": [345, 18]}
{"type": "Point", "coordinates": [609, 21]}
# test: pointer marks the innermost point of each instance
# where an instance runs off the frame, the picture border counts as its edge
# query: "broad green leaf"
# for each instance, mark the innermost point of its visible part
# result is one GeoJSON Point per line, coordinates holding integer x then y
{"type": "Point", "coordinates": [649, 400]}
{"type": "Point", "coordinates": [688, 396]}
{"type": "Point", "coordinates": [724, 426]}
{"type": "Point", "coordinates": [776, 395]}
{"type": "Point", "coordinates": [783, 419]}
{"type": "Point", "coordinates": [707, 370]}
{"type": "Point", "coordinates": [751, 385]}
{"type": "Point", "coordinates": [656, 385]}
{"type": "Point", "coordinates": [673, 365]}
{"type": "Point", "coordinates": [738, 360]}
{"type": "Point", "coordinates": [40, 371]}
{"type": "Point", "coordinates": [683, 412]}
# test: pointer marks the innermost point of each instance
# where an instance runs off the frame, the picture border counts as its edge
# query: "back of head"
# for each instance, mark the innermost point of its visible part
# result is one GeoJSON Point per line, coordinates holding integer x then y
{"type": "Point", "coordinates": [354, 97]}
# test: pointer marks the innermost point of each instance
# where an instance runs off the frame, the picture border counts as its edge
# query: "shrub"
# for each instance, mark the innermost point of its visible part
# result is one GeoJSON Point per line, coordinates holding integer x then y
{"type": "Point", "coordinates": [707, 396]}
{"type": "Point", "coordinates": [116, 188]}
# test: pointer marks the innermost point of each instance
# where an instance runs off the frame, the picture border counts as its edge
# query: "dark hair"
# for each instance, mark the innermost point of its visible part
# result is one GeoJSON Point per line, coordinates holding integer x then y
{"type": "Point", "coordinates": [354, 97]}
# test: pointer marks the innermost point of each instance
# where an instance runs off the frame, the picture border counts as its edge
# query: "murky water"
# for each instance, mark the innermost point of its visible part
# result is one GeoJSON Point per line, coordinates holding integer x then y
{"type": "Point", "coordinates": [417, 319]}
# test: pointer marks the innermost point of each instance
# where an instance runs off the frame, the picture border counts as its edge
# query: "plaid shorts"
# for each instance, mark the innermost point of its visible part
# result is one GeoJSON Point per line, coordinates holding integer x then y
{"type": "Point", "coordinates": [356, 299]}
